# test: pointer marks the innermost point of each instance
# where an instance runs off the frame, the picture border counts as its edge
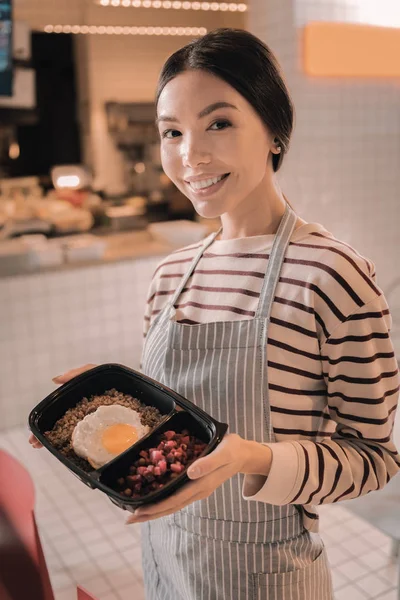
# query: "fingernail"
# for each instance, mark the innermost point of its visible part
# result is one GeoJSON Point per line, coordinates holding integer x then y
{"type": "Point", "coordinates": [193, 473]}
{"type": "Point", "coordinates": [56, 377]}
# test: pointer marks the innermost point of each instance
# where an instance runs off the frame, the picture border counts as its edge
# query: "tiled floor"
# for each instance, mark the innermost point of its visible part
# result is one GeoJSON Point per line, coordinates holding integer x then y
{"type": "Point", "coordinates": [86, 542]}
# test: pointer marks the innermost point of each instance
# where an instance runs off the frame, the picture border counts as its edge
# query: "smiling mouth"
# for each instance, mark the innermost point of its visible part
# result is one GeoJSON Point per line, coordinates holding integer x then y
{"type": "Point", "coordinates": [204, 184]}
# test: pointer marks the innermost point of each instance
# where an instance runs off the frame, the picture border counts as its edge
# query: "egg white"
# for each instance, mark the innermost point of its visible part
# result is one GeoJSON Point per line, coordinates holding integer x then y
{"type": "Point", "coordinates": [87, 436]}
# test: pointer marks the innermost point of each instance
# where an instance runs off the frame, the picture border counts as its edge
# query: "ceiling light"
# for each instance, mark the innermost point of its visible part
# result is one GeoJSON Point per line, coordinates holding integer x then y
{"type": "Point", "coordinates": [177, 5]}
{"type": "Point", "coordinates": [118, 30]}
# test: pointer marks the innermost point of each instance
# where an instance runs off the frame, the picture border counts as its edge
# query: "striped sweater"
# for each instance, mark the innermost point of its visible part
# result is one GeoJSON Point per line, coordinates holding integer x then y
{"type": "Point", "coordinates": [333, 375]}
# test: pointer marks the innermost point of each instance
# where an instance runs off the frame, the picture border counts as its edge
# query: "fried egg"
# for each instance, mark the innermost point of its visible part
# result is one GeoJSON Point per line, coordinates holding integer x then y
{"type": "Point", "coordinates": [107, 432]}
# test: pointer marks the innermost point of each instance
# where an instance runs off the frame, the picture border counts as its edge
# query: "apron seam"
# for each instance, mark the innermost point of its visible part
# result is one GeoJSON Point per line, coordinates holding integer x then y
{"type": "Point", "coordinates": [241, 522]}
{"type": "Point", "coordinates": [231, 541]}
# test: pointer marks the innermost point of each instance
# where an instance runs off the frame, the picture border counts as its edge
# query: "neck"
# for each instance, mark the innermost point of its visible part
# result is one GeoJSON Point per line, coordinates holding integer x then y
{"type": "Point", "coordinates": [259, 214]}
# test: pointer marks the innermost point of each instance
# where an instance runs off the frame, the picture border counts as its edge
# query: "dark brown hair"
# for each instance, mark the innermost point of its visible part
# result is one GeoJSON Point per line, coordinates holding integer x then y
{"type": "Point", "coordinates": [248, 65]}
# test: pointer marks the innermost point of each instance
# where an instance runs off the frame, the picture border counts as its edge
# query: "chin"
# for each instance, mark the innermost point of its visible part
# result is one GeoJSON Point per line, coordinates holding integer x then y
{"type": "Point", "coordinates": [208, 208]}
{"type": "Point", "coordinates": [208, 211]}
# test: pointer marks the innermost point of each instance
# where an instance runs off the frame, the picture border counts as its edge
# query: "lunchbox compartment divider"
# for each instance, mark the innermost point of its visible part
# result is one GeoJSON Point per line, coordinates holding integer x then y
{"type": "Point", "coordinates": [179, 405]}
{"type": "Point", "coordinates": [94, 475]}
{"type": "Point", "coordinates": [121, 463]}
{"type": "Point", "coordinates": [142, 440]}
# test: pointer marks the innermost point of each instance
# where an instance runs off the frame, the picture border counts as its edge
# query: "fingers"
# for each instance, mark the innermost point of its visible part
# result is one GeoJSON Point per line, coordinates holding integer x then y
{"type": "Point", "coordinates": [196, 490]}
{"type": "Point", "coordinates": [65, 377]}
{"type": "Point", "coordinates": [218, 458]}
{"type": "Point", "coordinates": [142, 517]}
{"type": "Point", "coordinates": [35, 442]}
{"type": "Point", "coordinates": [182, 497]}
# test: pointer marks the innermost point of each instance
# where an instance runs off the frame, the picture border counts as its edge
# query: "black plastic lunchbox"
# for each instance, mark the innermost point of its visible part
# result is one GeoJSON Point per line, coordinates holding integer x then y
{"type": "Point", "coordinates": [178, 413]}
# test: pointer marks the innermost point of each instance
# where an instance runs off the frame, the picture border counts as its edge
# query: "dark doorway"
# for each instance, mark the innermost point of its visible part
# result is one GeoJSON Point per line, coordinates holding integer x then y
{"type": "Point", "coordinates": [54, 138]}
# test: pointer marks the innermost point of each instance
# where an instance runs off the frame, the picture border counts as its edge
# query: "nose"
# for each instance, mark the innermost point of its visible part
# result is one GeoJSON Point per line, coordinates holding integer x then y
{"type": "Point", "coordinates": [194, 152]}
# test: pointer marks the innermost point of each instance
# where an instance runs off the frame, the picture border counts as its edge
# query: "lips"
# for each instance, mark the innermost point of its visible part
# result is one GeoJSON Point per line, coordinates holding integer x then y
{"type": "Point", "coordinates": [202, 184]}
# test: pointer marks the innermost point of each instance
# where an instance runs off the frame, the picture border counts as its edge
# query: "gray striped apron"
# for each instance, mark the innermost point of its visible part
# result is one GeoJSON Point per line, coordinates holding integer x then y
{"type": "Point", "coordinates": [225, 547]}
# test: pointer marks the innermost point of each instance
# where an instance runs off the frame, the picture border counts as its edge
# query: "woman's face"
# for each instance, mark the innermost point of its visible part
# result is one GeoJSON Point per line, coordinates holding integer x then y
{"type": "Point", "coordinates": [214, 146]}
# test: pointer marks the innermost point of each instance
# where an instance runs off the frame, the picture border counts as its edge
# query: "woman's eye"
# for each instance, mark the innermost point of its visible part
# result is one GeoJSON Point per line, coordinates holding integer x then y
{"type": "Point", "coordinates": [217, 126]}
{"type": "Point", "coordinates": [220, 124]}
{"type": "Point", "coordinates": [171, 133]}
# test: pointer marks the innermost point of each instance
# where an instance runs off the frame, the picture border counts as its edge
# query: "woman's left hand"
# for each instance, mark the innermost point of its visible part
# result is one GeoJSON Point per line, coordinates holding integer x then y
{"type": "Point", "coordinates": [231, 456]}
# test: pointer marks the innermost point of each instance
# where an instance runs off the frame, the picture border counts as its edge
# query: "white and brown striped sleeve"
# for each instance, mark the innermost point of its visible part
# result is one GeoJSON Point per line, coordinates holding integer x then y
{"type": "Point", "coordinates": [149, 307]}
{"type": "Point", "coordinates": [149, 312]}
{"type": "Point", "coordinates": [166, 275]}
{"type": "Point", "coordinates": [362, 380]}
{"type": "Point", "coordinates": [152, 295]}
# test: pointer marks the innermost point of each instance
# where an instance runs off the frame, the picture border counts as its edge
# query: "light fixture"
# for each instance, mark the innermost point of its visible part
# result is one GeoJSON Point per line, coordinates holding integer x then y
{"type": "Point", "coordinates": [68, 181]}
{"type": "Point", "coordinates": [70, 177]}
{"type": "Point", "coordinates": [119, 30]}
{"type": "Point", "coordinates": [177, 5]}
{"type": "Point", "coordinates": [140, 167]}
{"type": "Point", "coordinates": [351, 50]}
{"type": "Point", "coordinates": [14, 151]}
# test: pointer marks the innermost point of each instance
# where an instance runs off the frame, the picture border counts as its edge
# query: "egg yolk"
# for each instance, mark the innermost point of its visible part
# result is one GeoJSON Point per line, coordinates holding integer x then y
{"type": "Point", "coordinates": [117, 438]}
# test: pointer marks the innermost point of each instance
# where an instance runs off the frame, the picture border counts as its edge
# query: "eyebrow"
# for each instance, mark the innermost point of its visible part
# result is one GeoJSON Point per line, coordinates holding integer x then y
{"type": "Point", "coordinates": [203, 113]}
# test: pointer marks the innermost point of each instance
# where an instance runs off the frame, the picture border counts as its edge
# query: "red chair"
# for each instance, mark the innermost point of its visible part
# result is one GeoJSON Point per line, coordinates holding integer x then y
{"type": "Point", "coordinates": [4, 595]}
{"type": "Point", "coordinates": [22, 563]}
{"type": "Point", "coordinates": [23, 568]}
{"type": "Point", "coordinates": [84, 595]}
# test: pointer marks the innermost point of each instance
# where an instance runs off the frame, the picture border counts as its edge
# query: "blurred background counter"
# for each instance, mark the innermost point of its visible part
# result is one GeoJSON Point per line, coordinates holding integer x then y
{"type": "Point", "coordinates": [26, 255]}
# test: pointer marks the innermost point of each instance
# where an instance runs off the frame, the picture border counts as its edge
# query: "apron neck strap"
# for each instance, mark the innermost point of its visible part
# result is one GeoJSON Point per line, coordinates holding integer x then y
{"type": "Point", "coordinates": [192, 267]}
{"type": "Point", "coordinates": [271, 278]}
{"type": "Point", "coordinates": [276, 258]}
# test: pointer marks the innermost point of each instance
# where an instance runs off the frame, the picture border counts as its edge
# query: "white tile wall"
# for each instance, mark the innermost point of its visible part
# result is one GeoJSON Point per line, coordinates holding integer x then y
{"type": "Point", "coordinates": [52, 322]}
{"type": "Point", "coordinates": [343, 166]}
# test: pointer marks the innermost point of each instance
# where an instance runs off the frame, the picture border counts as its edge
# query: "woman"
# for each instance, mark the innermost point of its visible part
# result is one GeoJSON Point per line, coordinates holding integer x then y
{"type": "Point", "coordinates": [271, 325]}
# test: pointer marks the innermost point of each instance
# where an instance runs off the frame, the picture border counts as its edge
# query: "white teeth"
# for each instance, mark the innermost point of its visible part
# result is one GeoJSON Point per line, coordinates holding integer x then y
{"type": "Point", "coordinates": [205, 183]}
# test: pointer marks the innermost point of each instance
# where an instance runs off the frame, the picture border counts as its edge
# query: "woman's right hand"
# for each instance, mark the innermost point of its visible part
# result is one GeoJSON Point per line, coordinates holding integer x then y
{"type": "Point", "coordinates": [62, 379]}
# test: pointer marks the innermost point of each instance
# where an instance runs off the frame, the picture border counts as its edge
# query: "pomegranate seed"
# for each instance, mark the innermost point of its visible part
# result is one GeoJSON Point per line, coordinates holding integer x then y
{"type": "Point", "coordinates": [177, 467]}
